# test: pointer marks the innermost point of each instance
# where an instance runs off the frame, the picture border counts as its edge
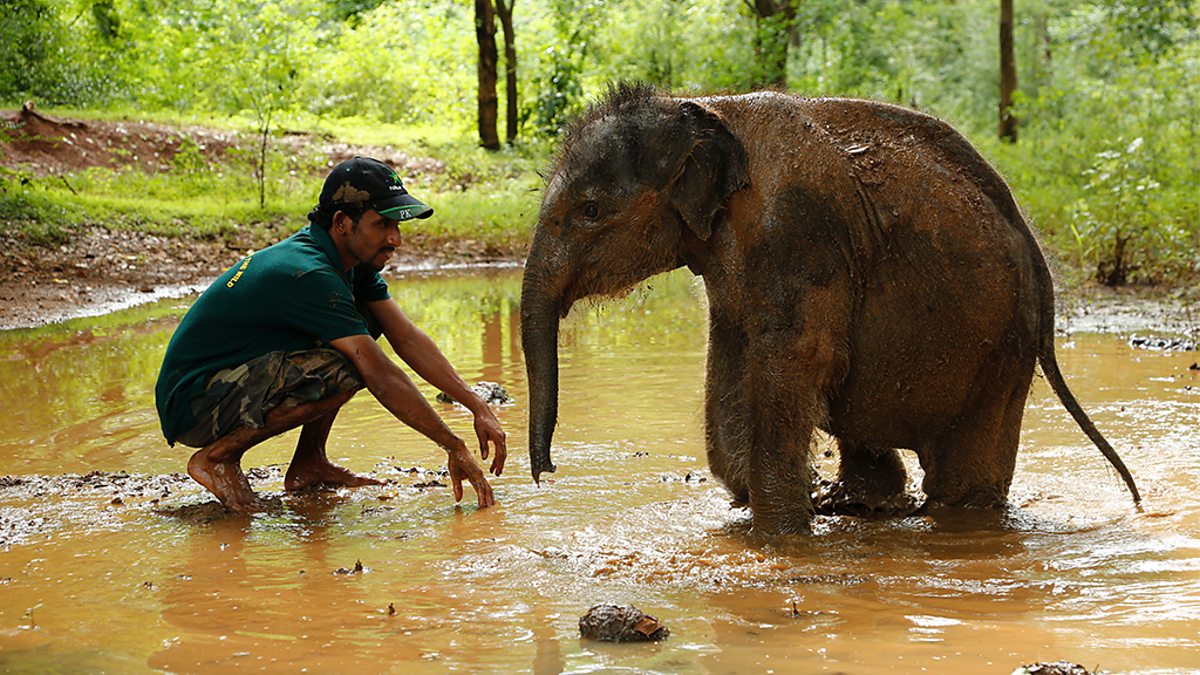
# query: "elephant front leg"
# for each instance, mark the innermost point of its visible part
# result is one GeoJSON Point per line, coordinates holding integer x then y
{"type": "Point", "coordinates": [778, 369]}
{"type": "Point", "coordinates": [727, 416]}
{"type": "Point", "coordinates": [781, 488]}
{"type": "Point", "coordinates": [758, 440]}
{"type": "Point", "coordinates": [785, 407]}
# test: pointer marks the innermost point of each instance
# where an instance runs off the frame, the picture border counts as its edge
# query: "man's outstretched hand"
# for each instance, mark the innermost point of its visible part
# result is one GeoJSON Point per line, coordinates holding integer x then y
{"type": "Point", "coordinates": [487, 429]}
{"type": "Point", "coordinates": [462, 465]}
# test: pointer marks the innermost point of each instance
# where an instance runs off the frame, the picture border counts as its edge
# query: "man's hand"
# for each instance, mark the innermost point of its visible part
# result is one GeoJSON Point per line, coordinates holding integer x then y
{"type": "Point", "coordinates": [487, 428]}
{"type": "Point", "coordinates": [462, 465]}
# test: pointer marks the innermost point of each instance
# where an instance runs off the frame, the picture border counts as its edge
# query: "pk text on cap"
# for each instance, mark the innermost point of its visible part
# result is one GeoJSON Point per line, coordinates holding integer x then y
{"type": "Point", "coordinates": [362, 184]}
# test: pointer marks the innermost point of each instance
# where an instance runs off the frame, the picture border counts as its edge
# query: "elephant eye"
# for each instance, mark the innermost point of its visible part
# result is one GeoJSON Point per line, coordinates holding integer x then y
{"type": "Point", "coordinates": [591, 210]}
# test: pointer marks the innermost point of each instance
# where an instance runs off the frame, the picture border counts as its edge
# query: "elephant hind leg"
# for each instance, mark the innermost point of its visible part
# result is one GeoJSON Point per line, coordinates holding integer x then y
{"type": "Point", "coordinates": [972, 463]}
{"type": "Point", "coordinates": [871, 482]}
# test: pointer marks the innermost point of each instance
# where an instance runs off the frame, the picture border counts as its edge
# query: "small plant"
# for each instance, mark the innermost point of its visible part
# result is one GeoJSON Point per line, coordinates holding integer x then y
{"type": "Point", "coordinates": [189, 158]}
{"type": "Point", "coordinates": [1115, 218]}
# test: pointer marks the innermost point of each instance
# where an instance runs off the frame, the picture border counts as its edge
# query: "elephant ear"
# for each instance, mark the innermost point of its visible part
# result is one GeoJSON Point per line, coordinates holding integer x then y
{"type": "Point", "coordinates": [713, 170]}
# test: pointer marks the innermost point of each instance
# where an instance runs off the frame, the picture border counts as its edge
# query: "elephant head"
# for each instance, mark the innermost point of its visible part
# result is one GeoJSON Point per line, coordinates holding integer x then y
{"type": "Point", "coordinates": [640, 177]}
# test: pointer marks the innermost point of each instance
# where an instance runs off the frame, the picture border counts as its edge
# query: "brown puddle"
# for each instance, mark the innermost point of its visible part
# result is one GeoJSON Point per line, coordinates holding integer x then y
{"type": "Point", "coordinates": [112, 560]}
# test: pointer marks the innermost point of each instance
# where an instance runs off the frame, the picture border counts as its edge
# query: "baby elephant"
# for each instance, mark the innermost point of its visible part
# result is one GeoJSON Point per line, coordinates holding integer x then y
{"type": "Point", "coordinates": [868, 273]}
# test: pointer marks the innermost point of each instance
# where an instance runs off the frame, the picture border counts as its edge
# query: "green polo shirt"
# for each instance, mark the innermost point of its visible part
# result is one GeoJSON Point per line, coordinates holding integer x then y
{"type": "Point", "coordinates": [290, 296]}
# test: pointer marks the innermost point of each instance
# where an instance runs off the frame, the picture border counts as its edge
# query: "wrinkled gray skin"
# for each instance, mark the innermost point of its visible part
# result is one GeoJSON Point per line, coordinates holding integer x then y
{"type": "Point", "coordinates": [867, 274]}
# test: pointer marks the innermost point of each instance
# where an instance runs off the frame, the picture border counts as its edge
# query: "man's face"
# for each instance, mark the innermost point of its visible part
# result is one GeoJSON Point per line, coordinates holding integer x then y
{"type": "Point", "coordinates": [372, 239]}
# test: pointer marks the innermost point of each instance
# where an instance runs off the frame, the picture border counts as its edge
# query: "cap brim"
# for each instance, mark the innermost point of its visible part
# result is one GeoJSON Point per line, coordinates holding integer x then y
{"type": "Point", "coordinates": [404, 207]}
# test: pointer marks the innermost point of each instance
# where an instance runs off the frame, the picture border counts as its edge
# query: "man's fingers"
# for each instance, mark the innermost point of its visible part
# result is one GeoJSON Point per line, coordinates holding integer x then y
{"type": "Point", "coordinates": [456, 481]}
{"type": "Point", "coordinates": [483, 447]}
{"type": "Point", "coordinates": [501, 454]}
{"type": "Point", "coordinates": [483, 490]}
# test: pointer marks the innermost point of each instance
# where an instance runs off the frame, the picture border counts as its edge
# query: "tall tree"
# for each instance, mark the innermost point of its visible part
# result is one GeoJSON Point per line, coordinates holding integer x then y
{"type": "Point", "coordinates": [1008, 74]}
{"type": "Point", "coordinates": [774, 21]}
{"type": "Point", "coordinates": [485, 37]}
{"type": "Point", "coordinates": [505, 11]}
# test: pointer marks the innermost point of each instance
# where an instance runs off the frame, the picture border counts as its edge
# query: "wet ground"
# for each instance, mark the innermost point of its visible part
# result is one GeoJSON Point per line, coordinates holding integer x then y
{"type": "Point", "coordinates": [112, 560]}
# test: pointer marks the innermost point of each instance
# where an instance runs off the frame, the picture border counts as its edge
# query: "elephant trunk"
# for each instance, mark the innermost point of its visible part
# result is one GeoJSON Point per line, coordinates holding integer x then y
{"type": "Point", "coordinates": [542, 305]}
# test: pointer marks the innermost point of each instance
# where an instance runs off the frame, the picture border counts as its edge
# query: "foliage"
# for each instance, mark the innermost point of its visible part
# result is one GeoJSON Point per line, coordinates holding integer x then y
{"type": "Point", "coordinates": [1093, 76]}
{"type": "Point", "coordinates": [407, 61]}
{"type": "Point", "coordinates": [558, 88]}
{"type": "Point", "coordinates": [1078, 170]}
{"type": "Point", "coordinates": [42, 58]}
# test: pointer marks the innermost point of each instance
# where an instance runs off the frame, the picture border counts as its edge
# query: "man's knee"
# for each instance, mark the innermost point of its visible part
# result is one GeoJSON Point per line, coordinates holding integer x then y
{"type": "Point", "coordinates": [243, 395]}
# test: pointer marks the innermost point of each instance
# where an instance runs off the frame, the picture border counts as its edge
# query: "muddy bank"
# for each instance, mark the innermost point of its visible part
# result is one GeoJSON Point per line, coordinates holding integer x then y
{"type": "Point", "coordinates": [1134, 313]}
{"type": "Point", "coordinates": [99, 271]}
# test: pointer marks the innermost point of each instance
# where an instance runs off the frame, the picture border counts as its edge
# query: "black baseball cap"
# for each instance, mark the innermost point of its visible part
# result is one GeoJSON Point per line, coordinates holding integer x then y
{"type": "Point", "coordinates": [361, 184]}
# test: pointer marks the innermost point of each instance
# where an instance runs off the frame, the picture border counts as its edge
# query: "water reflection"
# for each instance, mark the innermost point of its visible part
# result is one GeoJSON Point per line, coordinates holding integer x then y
{"type": "Point", "coordinates": [159, 577]}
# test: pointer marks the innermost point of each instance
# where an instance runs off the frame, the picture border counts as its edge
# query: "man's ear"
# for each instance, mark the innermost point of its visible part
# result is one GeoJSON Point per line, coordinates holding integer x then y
{"type": "Point", "coordinates": [340, 221]}
{"type": "Point", "coordinates": [713, 170]}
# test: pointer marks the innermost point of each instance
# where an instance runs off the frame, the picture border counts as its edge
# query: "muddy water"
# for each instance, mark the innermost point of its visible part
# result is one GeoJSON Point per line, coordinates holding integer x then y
{"type": "Point", "coordinates": [135, 569]}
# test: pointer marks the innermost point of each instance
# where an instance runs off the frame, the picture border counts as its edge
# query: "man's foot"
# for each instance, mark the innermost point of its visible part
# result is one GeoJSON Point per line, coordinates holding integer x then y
{"type": "Point", "coordinates": [324, 473]}
{"type": "Point", "coordinates": [224, 479]}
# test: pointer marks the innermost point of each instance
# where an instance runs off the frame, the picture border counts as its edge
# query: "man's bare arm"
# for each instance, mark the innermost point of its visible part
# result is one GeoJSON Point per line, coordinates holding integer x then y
{"type": "Point", "coordinates": [420, 352]}
{"type": "Point", "coordinates": [389, 384]}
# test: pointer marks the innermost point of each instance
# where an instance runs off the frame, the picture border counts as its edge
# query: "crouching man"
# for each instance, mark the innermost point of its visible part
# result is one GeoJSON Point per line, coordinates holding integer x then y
{"type": "Point", "coordinates": [286, 337]}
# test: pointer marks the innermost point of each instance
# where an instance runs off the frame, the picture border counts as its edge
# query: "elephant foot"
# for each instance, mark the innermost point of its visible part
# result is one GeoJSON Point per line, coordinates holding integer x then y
{"type": "Point", "coordinates": [776, 526]}
{"type": "Point", "coordinates": [776, 521]}
{"type": "Point", "coordinates": [838, 498]}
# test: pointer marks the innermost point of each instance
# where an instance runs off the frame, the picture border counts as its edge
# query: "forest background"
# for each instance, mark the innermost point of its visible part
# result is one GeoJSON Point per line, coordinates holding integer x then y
{"type": "Point", "coordinates": [1097, 135]}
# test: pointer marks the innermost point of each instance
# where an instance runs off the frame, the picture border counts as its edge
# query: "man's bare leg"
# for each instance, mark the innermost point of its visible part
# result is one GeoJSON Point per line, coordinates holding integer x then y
{"type": "Point", "coordinates": [217, 466]}
{"type": "Point", "coordinates": [310, 466]}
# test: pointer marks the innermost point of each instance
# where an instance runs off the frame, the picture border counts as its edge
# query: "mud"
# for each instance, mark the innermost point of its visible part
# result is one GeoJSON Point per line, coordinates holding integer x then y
{"type": "Point", "coordinates": [1157, 315]}
{"type": "Point", "coordinates": [36, 506]}
{"type": "Point", "coordinates": [43, 145]}
{"type": "Point", "coordinates": [490, 392]}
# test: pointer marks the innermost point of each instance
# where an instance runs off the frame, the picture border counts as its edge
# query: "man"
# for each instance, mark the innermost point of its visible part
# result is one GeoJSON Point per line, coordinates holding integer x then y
{"type": "Point", "coordinates": [286, 336]}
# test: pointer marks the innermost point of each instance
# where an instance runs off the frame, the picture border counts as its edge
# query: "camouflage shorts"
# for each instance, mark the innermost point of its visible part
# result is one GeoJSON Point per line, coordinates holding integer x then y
{"type": "Point", "coordinates": [243, 395]}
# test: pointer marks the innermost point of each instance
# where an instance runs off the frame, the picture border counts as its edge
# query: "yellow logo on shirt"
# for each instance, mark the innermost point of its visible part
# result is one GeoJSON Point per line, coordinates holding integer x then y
{"type": "Point", "coordinates": [238, 275]}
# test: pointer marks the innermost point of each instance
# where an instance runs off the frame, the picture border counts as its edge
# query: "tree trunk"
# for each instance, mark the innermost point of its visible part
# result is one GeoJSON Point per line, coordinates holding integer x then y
{"type": "Point", "coordinates": [1008, 74]}
{"type": "Point", "coordinates": [774, 21]}
{"type": "Point", "coordinates": [485, 36]}
{"type": "Point", "coordinates": [262, 169]}
{"type": "Point", "coordinates": [264, 131]}
{"type": "Point", "coordinates": [505, 11]}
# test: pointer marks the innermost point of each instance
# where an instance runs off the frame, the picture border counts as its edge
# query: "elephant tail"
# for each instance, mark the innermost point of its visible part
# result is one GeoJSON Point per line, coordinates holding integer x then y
{"type": "Point", "coordinates": [1054, 376]}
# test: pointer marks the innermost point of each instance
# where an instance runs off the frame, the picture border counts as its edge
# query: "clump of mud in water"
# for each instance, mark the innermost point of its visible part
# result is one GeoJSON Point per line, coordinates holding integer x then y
{"type": "Point", "coordinates": [1165, 344]}
{"type": "Point", "coordinates": [1055, 668]}
{"type": "Point", "coordinates": [621, 623]}
{"type": "Point", "coordinates": [491, 393]}
{"type": "Point", "coordinates": [39, 505]}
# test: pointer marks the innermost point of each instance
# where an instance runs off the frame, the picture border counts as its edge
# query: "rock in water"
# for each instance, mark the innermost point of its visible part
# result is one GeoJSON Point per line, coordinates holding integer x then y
{"type": "Point", "coordinates": [620, 623]}
{"type": "Point", "coordinates": [490, 392]}
{"type": "Point", "coordinates": [1055, 668]}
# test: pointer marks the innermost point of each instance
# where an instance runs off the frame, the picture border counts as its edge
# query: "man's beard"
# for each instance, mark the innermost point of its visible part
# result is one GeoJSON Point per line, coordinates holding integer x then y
{"type": "Point", "coordinates": [384, 254]}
